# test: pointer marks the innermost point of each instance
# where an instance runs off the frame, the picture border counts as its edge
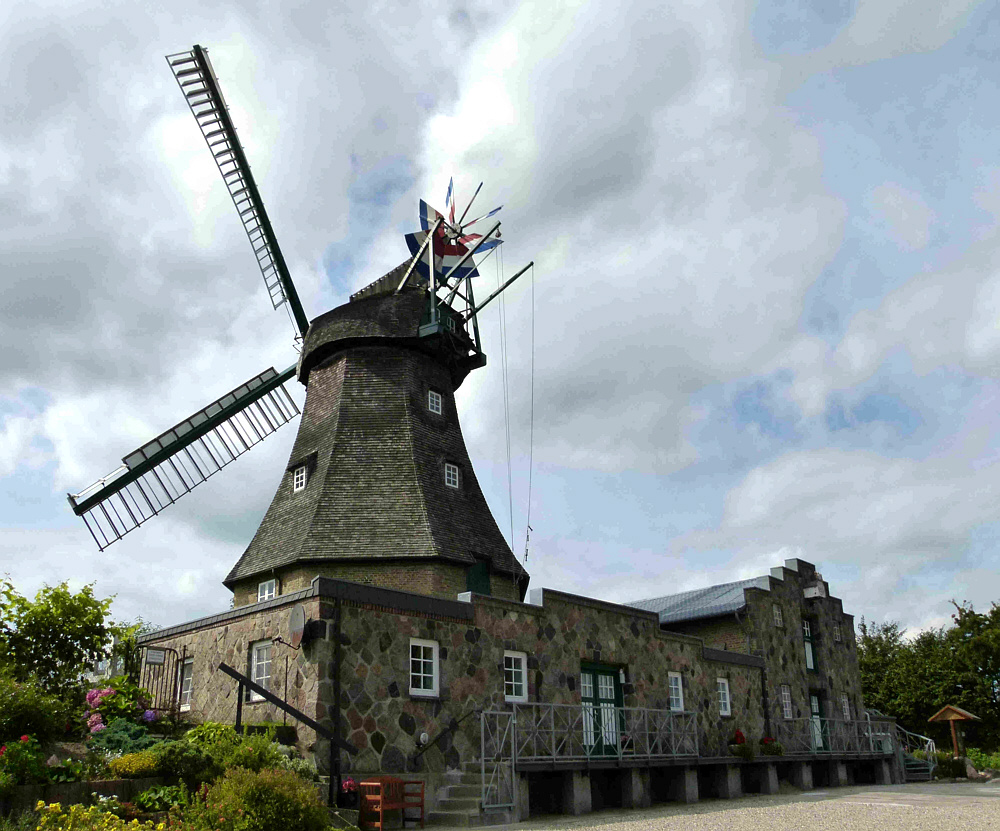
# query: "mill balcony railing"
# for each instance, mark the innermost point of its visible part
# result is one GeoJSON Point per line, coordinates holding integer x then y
{"type": "Point", "coordinates": [807, 736]}
{"type": "Point", "coordinates": [573, 732]}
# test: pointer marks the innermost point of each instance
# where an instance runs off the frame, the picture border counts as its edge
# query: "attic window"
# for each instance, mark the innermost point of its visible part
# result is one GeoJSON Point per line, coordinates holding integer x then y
{"type": "Point", "coordinates": [299, 479]}
{"type": "Point", "coordinates": [451, 475]}
{"type": "Point", "coordinates": [434, 401]}
{"type": "Point", "coordinates": [267, 590]}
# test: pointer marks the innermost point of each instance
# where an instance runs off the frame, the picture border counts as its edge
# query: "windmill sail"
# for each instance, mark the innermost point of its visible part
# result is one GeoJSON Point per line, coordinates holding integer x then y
{"type": "Point", "coordinates": [197, 81]}
{"type": "Point", "coordinates": [161, 471]}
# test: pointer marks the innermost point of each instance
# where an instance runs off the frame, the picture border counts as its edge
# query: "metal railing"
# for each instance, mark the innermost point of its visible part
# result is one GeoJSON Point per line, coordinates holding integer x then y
{"type": "Point", "coordinates": [916, 747]}
{"type": "Point", "coordinates": [569, 732]}
{"type": "Point", "coordinates": [807, 736]}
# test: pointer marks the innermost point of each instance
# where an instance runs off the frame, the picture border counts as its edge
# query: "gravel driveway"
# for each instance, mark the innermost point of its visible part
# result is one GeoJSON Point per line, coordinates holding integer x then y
{"type": "Point", "coordinates": [915, 807]}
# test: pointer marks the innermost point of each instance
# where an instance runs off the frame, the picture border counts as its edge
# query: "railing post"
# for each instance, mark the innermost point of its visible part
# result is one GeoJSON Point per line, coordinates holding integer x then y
{"type": "Point", "coordinates": [239, 708]}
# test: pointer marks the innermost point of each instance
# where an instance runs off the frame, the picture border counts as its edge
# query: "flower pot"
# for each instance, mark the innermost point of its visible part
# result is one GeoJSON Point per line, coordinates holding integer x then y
{"type": "Point", "coordinates": [348, 799]}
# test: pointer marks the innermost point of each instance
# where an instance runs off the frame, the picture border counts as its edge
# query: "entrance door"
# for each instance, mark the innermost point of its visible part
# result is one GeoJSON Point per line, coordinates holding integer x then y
{"type": "Point", "coordinates": [816, 720]}
{"type": "Point", "coordinates": [601, 696]}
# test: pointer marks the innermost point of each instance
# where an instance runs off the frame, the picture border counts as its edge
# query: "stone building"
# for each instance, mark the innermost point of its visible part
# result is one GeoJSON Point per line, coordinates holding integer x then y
{"type": "Point", "coordinates": [789, 619]}
{"type": "Point", "coordinates": [420, 650]}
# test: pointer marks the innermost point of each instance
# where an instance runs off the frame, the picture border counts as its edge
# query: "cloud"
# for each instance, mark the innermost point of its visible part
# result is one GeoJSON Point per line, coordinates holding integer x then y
{"type": "Point", "coordinates": [907, 215]}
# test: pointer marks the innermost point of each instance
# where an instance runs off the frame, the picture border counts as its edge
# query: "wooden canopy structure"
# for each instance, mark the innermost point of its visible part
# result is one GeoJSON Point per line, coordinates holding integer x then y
{"type": "Point", "coordinates": [953, 714]}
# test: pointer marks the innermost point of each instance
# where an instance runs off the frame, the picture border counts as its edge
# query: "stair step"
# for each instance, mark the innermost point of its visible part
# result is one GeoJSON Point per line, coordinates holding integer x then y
{"type": "Point", "coordinates": [460, 818]}
{"type": "Point", "coordinates": [470, 791]}
{"type": "Point", "coordinates": [459, 805]}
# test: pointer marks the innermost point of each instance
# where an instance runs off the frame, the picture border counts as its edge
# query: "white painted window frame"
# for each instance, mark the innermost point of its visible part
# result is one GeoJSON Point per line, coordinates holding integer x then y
{"type": "Point", "coordinates": [186, 673]}
{"type": "Point", "coordinates": [515, 663]}
{"type": "Point", "coordinates": [452, 478]}
{"type": "Point", "coordinates": [435, 675]}
{"type": "Point", "coordinates": [837, 634]}
{"type": "Point", "coordinates": [779, 618]}
{"type": "Point", "coordinates": [299, 478]}
{"type": "Point", "coordinates": [435, 402]}
{"type": "Point", "coordinates": [786, 701]}
{"type": "Point", "coordinates": [725, 703]}
{"type": "Point", "coordinates": [845, 707]}
{"type": "Point", "coordinates": [257, 675]}
{"type": "Point", "coordinates": [267, 590]}
{"type": "Point", "coordinates": [675, 684]}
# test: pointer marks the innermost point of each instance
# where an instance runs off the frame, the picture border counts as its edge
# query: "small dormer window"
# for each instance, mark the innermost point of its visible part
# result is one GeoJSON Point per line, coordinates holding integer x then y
{"type": "Point", "coordinates": [451, 475]}
{"type": "Point", "coordinates": [267, 590]}
{"type": "Point", "coordinates": [299, 479]}
{"type": "Point", "coordinates": [434, 401]}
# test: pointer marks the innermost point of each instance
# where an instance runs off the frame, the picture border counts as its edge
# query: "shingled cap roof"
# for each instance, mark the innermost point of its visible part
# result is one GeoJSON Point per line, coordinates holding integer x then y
{"type": "Point", "coordinates": [374, 452]}
{"type": "Point", "coordinates": [723, 599]}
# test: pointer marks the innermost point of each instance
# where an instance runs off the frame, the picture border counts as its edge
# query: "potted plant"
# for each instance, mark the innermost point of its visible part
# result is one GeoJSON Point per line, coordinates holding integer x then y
{"type": "Point", "coordinates": [348, 793]}
{"type": "Point", "coordinates": [738, 746]}
{"type": "Point", "coordinates": [771, 747]}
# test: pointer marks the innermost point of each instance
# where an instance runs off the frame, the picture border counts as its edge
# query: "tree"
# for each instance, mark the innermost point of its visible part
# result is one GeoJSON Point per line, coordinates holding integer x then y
{"type": "Point", "coordinates": [54, 637]}
{"type": "Point", "coordinates": [975, 643]}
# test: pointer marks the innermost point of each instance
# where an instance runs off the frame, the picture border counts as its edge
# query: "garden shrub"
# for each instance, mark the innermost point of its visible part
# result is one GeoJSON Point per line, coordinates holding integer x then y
{"type": "Point", "coordinates": [135, 765]}
{"type": "Point", "coordinates": [245, 800]}
{"type": "Point", "coordinates": [21, 763]}
{"type": "Point", "coordinates": [947, 767]}
{"type": "Point", "coordinates": [253, 753]}
{"type": "Point", "coordinates": [184, 761]}
{"type": "Point", "coordinates": [213, 734]}
{"type": "Point", "coordinates": [983, 760]}
{"type": "Point", "coordinates": [26, 707]}
{"type": "Point", "coordinates": [163, 797]}
{"type": "Point", "coordinates": [78, 818]}
{"type": "Point", "coordinates": [122, 736]}
{"type": "Point", "coordinates": [301, 767]}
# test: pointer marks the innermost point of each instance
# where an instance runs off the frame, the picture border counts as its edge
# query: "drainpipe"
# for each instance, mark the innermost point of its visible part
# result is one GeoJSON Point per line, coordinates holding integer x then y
{"type": "Point", "coordinates": [334, 749]}
{"type": "Point", "coordinates": [765, 703]}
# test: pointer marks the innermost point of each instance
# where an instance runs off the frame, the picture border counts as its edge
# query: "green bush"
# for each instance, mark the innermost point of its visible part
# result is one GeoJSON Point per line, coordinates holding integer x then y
{"type": "Point", "coordinates": [163, 797]}
{"type": "Point", "coordinates": [135, 765]}
{"type": "Point", "coordinates": [244, 800]}
{"type": "Point", "coordinates": [27, 708]}
{"type": "Point", "coordinates": [121, 736]}
{"type": "Point", "coordinates": [186, 762]}
{"type": "Point", "coordinates": [252, 753]}
{"type": "Point", "coordinates": [742, 751]}
{"type": "Point", "coordinates": [213, 734]}
{"type": "Point", "coordinates": [982, 760]}
{"type": "Point", "coordinates": [947, 767]}
{"type": "Point", "coordinates": [300, 767]}
{"type": "Point", "coordinates": [78, 818]}
{"type": "Point", "coordinates": [120, 699]}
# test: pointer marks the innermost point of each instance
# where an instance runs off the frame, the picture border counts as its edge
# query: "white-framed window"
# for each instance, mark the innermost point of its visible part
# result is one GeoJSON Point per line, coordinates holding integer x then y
{"type": "Point", "coordinates": [260, 667]}
{"type": "Point", "coordinates": [451, 475]}
{"type": "Point", "coordinates": [515, 676]}
{"type": "Point", "coordinates": [184, 684]}
{"type": "Point", "coordinates": [806, 630]}
{"type": "Point", "coordinates": [845, 707]}
{"type": "Point", "coordinates": [722, 685]}
{"type": "Point", "coordinates": [676, 683]}
{"type": "Point", "coordinates": [786, 701]}
{"type": "Point", "coordinates": [267, 590]}
{"type": "Point", "coordinates": [779, 620]}
{"type": "Point", "coordinates": [434, 401]}
{"type": "Point", "coordinates": [423, 667]}
{"type": "Point", "coordinates": [299, 479]}
{"type": "Point", "coordinates": [837, 636]}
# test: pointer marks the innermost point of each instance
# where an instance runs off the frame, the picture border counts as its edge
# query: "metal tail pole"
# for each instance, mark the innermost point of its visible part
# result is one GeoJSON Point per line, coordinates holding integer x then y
{"type": "Point", "coordinates": [473, 199]}
{"type": "Point", "coordinates": [416, 257]}
{"type": "Point", "coordinates": [434, 284]}
{"type": "Point", "coordinates": [479, 308]}
{"type": "Point", "coordinates": [472, 303]}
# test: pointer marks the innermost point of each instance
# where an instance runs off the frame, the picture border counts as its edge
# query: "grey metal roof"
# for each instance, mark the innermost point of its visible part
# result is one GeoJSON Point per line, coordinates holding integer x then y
{"type": "Point", "coordinates": [725, 598]}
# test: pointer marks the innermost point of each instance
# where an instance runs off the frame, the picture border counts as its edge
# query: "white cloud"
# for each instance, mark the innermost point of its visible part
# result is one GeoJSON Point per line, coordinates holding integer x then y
{"type": "Point", "coordinates": [907, 215]}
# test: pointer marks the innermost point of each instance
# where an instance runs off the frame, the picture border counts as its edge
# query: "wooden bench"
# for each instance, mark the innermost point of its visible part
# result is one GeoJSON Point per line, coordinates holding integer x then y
{"type": "Point", "coordinates": [388, 793]}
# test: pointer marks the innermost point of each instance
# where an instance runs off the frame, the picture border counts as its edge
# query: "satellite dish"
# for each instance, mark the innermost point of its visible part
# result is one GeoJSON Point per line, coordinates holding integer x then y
{"type": "Point", "coordinates": [297, 625]}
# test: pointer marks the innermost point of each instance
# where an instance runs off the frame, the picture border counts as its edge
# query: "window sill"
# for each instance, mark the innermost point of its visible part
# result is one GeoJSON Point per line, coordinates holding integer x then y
{"type": "Point", "coordinates": [424, 696]}
{"type": "Point", "coordinates": [519, 700]}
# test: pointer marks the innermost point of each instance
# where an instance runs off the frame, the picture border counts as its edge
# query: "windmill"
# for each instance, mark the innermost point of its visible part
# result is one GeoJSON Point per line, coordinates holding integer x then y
{"type": "Point", "coordinates": [361, 495]}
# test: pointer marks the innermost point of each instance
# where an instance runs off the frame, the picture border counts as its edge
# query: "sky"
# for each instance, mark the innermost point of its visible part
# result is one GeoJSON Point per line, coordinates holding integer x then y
{"type": "Point", "coordinates": [763, 320]}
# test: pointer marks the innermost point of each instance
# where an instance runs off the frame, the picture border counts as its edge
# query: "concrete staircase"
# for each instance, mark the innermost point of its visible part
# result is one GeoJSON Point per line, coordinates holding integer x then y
{"type": "Point", "coordinates": [917, 770]}
{"type": "Point", "coordinates": [458, 803]}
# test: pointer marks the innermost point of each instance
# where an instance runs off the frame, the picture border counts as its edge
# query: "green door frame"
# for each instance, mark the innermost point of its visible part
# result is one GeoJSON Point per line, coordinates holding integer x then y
{"type": "Point", "coordinates": [602, 708]}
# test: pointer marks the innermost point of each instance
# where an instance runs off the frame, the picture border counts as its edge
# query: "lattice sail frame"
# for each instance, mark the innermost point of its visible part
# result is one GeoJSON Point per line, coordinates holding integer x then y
{"type": "Point", "coordinates": [161, 471]}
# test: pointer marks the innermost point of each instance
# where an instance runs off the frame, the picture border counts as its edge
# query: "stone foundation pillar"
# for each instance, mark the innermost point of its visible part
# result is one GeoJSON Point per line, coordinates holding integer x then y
{"type": "Point", "coordinates": [635, 788]}
{"type": "Point", "coordinates": [802, 775]}
{"type": "Point", "coordinates": [521, 798]}
{"type": "Point", "coordinates": [683, 785]}
{"type": "Point", "coordinates": [883, 776]}
{"type": "Point", "coordinates": [838, 774]}
{"type": "Point", "coordinates": [576, 792]}
{"type": "Point", "coordinates": [768, 778]}
{"type": "Point", "coordinates": [728, 784]}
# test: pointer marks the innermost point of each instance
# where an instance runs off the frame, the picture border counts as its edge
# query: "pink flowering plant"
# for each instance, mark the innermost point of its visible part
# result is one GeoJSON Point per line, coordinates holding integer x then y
{"type": "Point", "coordinates": [119, 699]}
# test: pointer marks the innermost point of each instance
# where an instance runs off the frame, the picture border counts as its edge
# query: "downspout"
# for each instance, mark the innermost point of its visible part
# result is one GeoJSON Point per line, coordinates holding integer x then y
{"type": "Point", "coordinates": [335, 769]}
